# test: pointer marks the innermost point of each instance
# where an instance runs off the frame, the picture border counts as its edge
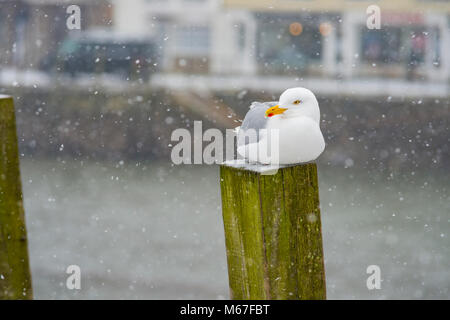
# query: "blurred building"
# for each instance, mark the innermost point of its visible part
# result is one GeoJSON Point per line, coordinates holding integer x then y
{"type": "Point", "coordinates": [195, 36]}
{"type": "Point", "coordinates": [31, 30]}
{"type": "Point", "coordinates": [334, 39]}
{"type": "Point", "coordinates": [229, 40]}
{"type": "Point", "coordinates": [318, 38]}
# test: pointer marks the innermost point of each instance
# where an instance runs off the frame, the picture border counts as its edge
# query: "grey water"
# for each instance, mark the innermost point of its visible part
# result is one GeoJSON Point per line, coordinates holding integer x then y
{"type": "Point", "coordinates": [154, 231]}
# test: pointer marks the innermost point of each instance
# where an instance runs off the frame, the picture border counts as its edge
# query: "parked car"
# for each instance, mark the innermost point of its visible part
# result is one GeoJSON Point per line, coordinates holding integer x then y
{"type": "Point", "coordinates": [105, 53]}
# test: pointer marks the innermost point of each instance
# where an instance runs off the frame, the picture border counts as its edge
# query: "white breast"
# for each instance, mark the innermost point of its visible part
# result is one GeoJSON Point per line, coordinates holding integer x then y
{"type": "Point", "coordinates": [300, 139]}
{"type": "Point", "coordinates": [287, 141]}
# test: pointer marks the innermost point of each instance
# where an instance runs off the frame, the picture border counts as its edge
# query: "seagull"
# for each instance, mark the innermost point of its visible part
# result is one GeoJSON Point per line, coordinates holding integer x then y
{"type": "Point", "coordinates": [284, 132]}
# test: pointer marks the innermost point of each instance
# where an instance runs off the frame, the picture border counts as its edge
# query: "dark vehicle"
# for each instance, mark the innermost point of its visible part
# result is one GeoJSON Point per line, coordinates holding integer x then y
{"type": "Point", "coordinates": [106, 53]}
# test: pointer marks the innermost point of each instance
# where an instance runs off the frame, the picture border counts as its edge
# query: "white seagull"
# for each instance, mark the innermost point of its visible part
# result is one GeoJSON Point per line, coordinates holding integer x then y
{"type": "Point", "coordinates": [284, 132]}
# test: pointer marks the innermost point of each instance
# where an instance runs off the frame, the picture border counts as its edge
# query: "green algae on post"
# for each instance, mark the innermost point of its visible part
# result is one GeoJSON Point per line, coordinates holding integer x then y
{"type": "Point", "coordinates": [15, 278]}
{"type": "Point", "coordinates": [273, 233]}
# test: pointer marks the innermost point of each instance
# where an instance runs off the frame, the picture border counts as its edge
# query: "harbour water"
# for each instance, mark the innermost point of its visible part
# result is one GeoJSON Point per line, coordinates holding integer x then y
{"type": "Point", "coordinates": [154, 231]}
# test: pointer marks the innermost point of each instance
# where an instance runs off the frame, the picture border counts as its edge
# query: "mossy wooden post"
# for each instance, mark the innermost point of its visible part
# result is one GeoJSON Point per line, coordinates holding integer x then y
{"type": "Point", "coordinates": [273, 233]}
{"type": "Point", "coordinates": [15, 279]}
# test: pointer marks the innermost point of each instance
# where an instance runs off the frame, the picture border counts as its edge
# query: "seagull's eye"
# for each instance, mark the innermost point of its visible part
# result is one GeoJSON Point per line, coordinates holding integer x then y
{"type": "Point", "coordinates": [297, 102]}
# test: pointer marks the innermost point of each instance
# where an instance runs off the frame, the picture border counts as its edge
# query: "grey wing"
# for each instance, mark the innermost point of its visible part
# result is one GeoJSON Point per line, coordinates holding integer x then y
{"type": "Point", "coordinates": [254, 121]}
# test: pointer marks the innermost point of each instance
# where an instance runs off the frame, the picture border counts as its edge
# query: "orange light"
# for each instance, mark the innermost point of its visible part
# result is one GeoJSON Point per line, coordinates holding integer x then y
{"type": "Point", "coordinates": [295, 28]}
{"type": "Point", "coordinates": [325, 28]}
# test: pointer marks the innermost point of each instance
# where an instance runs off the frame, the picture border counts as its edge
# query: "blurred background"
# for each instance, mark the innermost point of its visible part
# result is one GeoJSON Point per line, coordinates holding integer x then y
{"type": "Point", "coordinates": [96, 107]}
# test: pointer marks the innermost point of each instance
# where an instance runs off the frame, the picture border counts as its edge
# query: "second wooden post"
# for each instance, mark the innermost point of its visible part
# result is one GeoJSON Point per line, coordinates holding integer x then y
{"type": "Point", "coordinates": [273, 233]}
{"type": "Point", "coordinates": [15, 278]}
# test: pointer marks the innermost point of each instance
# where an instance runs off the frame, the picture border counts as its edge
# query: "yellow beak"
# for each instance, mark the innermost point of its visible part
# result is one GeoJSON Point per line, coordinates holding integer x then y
{"type": "Point", "coordinates": [274, 110]}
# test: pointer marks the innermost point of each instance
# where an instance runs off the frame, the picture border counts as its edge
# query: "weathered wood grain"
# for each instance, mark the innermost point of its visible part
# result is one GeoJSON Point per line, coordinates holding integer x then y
{"type": "Point", "coordinates": [273, 233]}
{"type": "Point", "coordinates": [15, 278]}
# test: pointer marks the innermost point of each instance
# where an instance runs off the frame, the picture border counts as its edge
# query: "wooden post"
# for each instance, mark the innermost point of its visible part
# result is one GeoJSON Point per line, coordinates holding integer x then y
{"type": "Point", "coordinates": [15, 279]}
{"type": "Point", "coordinates": [273, 232]}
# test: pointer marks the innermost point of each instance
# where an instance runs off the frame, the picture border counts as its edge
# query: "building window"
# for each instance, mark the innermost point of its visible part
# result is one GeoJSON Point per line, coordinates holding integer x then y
{"type": "Point", "coordinates": [288, 46]}
{"type": "Point", "coordinates": [193, 41]}
{"type": "Point", "coordinates": [394, 45]}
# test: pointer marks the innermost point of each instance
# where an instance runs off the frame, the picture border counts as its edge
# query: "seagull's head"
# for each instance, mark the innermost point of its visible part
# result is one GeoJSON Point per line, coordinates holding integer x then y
{"type": "Point", "coordinates": [296, 102]}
